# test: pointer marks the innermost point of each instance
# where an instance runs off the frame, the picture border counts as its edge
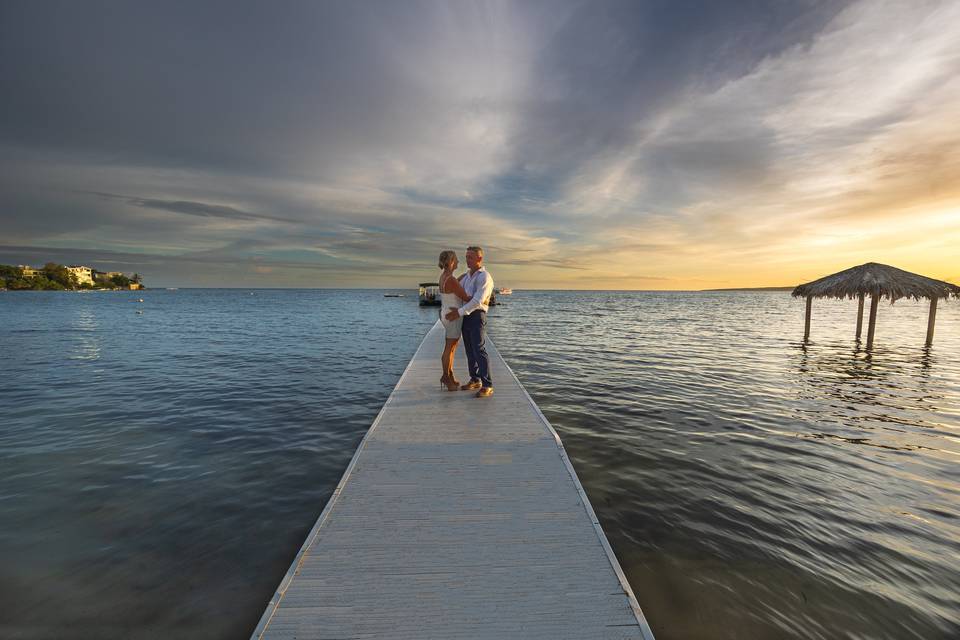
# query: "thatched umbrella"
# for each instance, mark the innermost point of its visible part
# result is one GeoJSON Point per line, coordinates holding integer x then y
{"type": "Point", "coordinates": [877, 280]}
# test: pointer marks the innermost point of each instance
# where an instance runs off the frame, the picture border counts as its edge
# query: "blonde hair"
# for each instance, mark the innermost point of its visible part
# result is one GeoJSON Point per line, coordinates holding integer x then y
{"type": "Point", "coordinates": [446, 257]}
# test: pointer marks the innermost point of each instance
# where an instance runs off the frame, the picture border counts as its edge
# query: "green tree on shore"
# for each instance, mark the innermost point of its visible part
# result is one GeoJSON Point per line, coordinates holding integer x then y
{"type": "Point", "coordinates": [56, 277]}
{"type": "Point", "coordinates": [121, 281]}
{"type": "Point", "coordinates": [38, 283]}
{"type": "Point", "coordinates": [59, 274]}
{"type": "Point", "coordinates": [9, 272]}
{"type": "Point", "coordinates": [18, 284]}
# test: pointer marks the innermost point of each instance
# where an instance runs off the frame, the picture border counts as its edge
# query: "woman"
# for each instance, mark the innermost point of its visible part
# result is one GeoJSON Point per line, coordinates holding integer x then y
{"type": "Point", "coordinates": [451, 295]}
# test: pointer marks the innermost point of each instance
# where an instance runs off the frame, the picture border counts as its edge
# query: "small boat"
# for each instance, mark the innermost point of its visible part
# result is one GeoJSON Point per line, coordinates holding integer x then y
{"type": "Point", "coordinates": [429, 294]}
{"type": "Point", "coordinates": [393, 295]}
{"type": "Point", "coordinates": [505, 291]}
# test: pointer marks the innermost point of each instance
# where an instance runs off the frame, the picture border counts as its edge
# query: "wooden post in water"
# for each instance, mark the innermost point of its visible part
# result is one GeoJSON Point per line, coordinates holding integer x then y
{"type": "Point", "coordinates": [859, 315]}
{"type": "Point", "coordinates": [871, 328]}
{"type": "Point", "coordinates": [806, 324]}
{"type": "Point", "coordinates": [931, 320]}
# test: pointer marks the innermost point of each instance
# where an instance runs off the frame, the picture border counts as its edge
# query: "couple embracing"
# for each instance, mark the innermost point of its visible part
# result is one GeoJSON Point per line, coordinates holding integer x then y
{"type": "Point", "coordinates": [465, 300]}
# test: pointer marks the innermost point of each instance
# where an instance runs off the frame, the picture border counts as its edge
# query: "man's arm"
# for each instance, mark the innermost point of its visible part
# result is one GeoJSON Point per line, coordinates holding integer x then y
{"type": "Point", "coordinates": [453, 313]}
{"type": "Point", "coordinates": [482, 293]}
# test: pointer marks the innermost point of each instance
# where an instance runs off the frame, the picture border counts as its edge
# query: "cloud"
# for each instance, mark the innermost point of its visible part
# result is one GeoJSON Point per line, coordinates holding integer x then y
{"type": "Point", "coordinates": [846, 130]}
{"type": "Point", "coordinates": [186, 207]}
{"type": "Point", "coordinates": [621, 142]}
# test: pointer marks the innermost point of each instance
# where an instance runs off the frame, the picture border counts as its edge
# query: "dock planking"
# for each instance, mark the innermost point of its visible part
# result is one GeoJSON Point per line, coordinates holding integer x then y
{"type": "Point", "coordinates": [457, 517]}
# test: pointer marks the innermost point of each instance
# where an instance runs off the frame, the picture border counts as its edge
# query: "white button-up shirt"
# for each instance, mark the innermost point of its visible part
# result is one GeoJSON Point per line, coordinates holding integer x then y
{"type": "Point", "coordinates": [479, 286]}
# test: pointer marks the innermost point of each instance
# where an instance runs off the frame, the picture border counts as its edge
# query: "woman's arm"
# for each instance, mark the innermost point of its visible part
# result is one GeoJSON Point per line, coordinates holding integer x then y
{"type": "Point", "coordinates": [453, 285]}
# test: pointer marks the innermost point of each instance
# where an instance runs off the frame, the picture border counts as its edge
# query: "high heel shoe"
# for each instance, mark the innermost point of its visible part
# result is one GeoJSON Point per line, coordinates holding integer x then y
{"type": "Point", "coordinates": [445, 381]}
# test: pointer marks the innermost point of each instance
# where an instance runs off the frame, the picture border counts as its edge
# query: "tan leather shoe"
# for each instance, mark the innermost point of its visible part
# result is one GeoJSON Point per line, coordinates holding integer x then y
{"type": "Point", "coordinates": [485, 392]}
{"type": "Point", "coordinates": [470, 386]}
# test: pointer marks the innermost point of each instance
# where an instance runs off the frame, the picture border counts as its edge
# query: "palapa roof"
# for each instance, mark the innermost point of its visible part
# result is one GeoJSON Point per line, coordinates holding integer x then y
{"type": "Point", "coordinates": [877, 279]}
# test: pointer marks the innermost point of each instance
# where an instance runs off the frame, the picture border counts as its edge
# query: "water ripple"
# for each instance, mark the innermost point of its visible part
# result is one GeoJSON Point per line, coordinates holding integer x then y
{"type": "Point", "coordinates": [160, 470]}
{"type": "Point", "coordinates": [754, 486]}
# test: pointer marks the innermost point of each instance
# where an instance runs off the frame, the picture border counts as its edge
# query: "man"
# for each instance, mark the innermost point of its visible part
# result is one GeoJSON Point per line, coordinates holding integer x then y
{"type": "Point", "coordinates": [478, 283]}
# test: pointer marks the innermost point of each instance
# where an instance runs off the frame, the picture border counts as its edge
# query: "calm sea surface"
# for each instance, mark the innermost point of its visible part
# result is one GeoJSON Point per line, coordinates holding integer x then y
{"type": "Point", "coordinates": [162, 461]}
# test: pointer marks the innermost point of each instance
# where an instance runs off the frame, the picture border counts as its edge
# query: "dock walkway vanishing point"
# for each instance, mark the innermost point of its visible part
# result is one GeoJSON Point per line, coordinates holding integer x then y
{"type": "Point", "coordinates": [458, 517]}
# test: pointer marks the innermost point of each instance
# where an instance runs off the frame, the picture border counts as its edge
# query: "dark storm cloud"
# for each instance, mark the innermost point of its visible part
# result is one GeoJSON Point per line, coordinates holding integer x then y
{"type": "Point", "coordinates": [243, 86]}
{"type": "Point", "coordinates": [610, 68]}
{"type": "Point", "coordinates": [268, 88]}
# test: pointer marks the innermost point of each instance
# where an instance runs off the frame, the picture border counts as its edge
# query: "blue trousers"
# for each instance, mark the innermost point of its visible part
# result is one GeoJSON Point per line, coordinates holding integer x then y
{"type": "Point", "coordinates": [474, 339]}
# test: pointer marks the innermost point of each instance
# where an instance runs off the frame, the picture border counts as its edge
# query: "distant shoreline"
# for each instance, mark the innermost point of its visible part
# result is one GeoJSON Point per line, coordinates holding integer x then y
{"type": "Point", "coordinates": [753, 289]}
{"type": "Point", "coordinates": [405, 289]}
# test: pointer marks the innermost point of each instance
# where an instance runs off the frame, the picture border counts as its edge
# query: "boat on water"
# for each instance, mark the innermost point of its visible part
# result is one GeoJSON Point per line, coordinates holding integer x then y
{"type": "Point", "coordinates": [429, 294]}
{"type": "Point", "coordinates": [394, 295]}
{"type": "Point", "coordinates": [504, 291]}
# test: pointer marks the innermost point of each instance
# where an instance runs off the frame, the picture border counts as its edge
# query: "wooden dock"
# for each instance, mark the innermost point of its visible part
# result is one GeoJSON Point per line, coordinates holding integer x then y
{"type": "Point", "coordinates": [458, 517]}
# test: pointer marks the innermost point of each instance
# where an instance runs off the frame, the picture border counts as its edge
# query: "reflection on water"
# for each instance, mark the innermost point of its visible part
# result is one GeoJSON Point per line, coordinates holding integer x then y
{"type": "Point", "coordinates": [160, 470]}
{"type": "Point", "coordinates": [86, 345]}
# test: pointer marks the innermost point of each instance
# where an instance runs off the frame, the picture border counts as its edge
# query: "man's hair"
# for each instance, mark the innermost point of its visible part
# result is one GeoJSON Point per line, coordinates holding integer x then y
{"type": "Point", "coordinates": [446, 257]}
{"type": "Point", "coordinates": [476, 250]}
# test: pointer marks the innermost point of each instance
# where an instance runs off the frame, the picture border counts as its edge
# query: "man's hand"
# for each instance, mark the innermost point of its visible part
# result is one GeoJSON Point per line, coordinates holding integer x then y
{"type": "Point", "coordinates": [452, 315]}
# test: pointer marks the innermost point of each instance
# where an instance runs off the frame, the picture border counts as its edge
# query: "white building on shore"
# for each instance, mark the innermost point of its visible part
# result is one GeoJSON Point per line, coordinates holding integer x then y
{"type": "Point", "coordinates": [28, 271]}
{"type": "Point", "coordinates": [105, 276]}
{"type": "Point", "coordinates": [84, 275]}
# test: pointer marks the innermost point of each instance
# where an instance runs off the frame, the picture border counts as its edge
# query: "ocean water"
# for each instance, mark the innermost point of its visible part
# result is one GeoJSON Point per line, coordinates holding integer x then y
{"type": "Point", "coordinates": [162, 461]}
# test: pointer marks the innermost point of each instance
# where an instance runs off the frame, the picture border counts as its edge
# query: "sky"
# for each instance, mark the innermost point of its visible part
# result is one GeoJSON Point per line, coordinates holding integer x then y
{"type": "Point", "coordinates": [584, 145]}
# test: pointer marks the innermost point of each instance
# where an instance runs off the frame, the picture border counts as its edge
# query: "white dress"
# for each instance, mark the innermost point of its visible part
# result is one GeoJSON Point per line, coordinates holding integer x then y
{"type": "Point", "coordinates": [450, 301]}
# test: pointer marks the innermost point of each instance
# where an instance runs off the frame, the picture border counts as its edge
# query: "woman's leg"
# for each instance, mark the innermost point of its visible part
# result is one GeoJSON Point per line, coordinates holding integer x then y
{"type": "Point", "coordinates": [449, 352]}
{"type": "Point", "coordinates": [447, 357]}
{"type": "Point", "coordinates": [445, 361]}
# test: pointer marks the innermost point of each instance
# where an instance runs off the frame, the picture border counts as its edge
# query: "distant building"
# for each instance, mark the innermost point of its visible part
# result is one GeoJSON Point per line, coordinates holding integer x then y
{"type": "Point", "coordinates": [29, 272]}
{"type": "Point", "coordinates": [106, 275]}
{"type": "Point", "coordinates": [135, 286]}
{"type": "Point", "coordinates": [84, 275]}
